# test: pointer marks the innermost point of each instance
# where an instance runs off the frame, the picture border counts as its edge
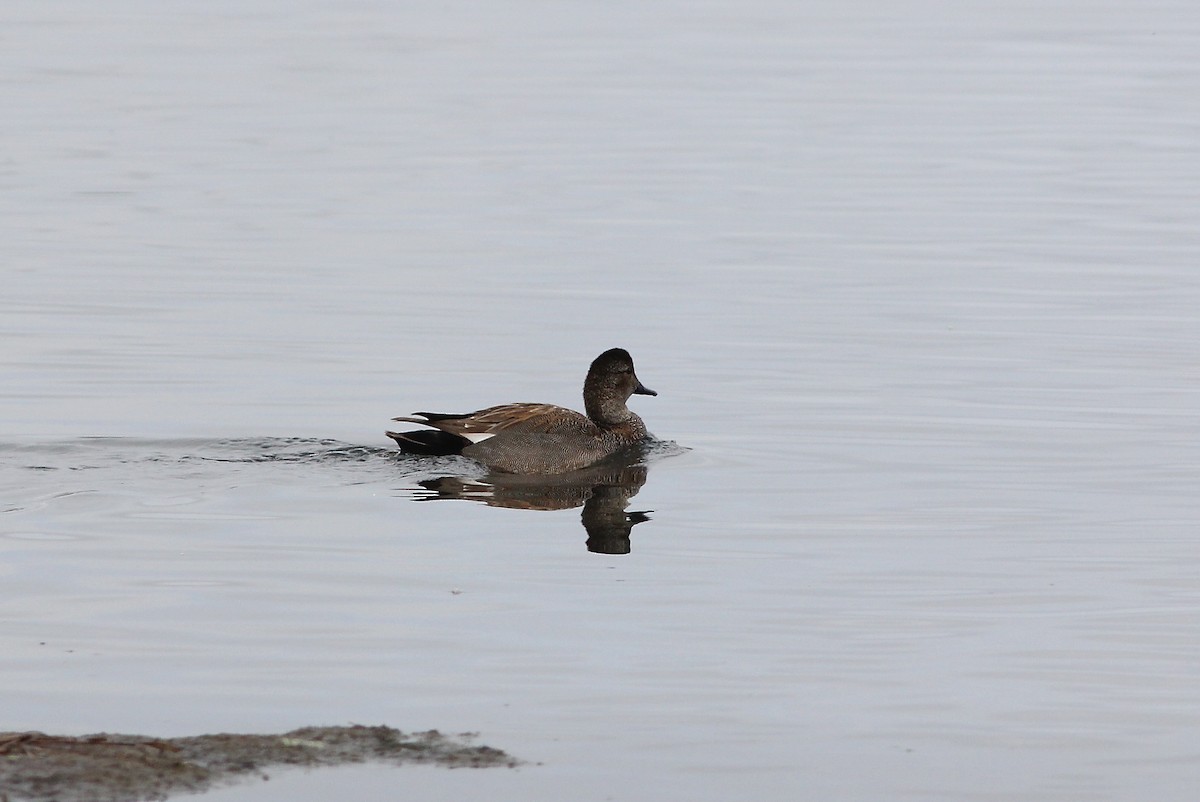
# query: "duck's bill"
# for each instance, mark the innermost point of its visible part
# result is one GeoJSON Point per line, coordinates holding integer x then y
{"type": "Point", "coordinates": [642, 389]}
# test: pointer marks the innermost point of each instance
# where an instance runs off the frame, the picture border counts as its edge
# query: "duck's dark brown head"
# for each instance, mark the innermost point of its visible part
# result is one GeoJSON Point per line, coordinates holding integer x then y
{"type": "Point", "coordinates": [610, 381]}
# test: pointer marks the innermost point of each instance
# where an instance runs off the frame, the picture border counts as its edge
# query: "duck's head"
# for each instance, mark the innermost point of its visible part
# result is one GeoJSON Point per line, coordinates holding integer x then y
{"type": "Point", "coordinates": [610, 382]}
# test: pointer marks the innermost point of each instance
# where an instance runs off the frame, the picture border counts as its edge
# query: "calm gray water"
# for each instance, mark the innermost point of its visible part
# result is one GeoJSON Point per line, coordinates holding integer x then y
{"type": "Point", "coordinates": [917, 286]}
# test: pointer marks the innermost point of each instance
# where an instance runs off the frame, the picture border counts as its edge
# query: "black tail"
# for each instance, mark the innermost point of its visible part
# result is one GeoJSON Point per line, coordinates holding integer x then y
{"type": "Point", "coordinates": [430, 442]}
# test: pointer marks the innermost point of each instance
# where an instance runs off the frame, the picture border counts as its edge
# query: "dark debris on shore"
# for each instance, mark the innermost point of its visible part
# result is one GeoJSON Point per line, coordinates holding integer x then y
{"type": "Point", "coordinates": [123, 768]}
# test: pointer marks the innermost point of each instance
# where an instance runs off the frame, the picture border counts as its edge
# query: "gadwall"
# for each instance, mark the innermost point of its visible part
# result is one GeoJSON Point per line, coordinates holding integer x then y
{"type": "Point", "coordinates": [540, 438]}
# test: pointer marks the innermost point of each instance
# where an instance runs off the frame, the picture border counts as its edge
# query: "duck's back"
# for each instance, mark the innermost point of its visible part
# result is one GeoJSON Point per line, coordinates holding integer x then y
{"type": "Point", "coordinates": [535, 419]}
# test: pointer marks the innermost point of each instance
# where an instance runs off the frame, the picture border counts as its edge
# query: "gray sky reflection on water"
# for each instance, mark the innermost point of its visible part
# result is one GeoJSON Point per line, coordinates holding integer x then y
{"type": "Point", "coordinates": [916, 286]}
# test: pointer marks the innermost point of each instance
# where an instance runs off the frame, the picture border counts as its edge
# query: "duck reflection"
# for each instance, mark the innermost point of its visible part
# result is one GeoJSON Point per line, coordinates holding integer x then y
{"type": "Point", "coordinates": [604, 491]}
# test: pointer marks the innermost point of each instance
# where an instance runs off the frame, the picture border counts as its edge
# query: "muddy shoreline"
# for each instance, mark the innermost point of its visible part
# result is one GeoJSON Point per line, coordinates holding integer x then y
{"type": "Point", "coordinates": [107, 767]}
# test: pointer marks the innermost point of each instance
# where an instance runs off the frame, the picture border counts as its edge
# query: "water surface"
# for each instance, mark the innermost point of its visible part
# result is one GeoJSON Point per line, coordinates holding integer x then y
{"type": "Point", "coordinates": [916, 286]}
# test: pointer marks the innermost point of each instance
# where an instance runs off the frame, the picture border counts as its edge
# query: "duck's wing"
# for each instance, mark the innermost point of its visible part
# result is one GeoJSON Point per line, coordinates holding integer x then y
{"type": "Point", "coordinates": [485, 423]}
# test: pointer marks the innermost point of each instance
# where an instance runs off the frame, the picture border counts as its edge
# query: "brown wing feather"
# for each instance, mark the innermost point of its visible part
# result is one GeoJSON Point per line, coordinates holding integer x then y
{"type": "Point", "coordinates": [533, 418]}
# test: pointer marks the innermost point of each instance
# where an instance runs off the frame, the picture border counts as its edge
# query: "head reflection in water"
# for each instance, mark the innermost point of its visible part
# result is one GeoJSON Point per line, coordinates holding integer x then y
{"type": "Point", "coordinates": [604, 491]}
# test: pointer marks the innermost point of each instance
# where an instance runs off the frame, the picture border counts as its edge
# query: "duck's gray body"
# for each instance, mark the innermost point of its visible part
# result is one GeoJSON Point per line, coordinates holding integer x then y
{"type": "Point", "coordinates": [541, 438]}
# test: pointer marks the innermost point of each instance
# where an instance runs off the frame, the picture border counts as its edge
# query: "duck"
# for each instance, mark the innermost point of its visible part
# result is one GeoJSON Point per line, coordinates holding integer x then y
{"type": "Point", "coordinates": [532, 438]}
